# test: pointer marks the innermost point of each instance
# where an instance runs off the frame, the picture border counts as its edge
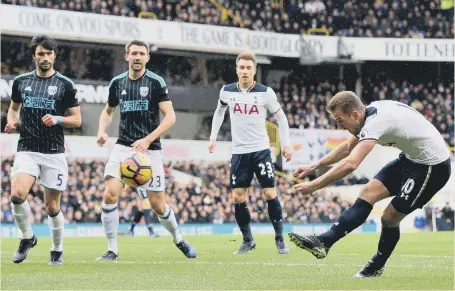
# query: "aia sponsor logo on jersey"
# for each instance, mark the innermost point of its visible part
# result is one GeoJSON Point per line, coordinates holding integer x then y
{"type": "Point", "coordinates": [246, 109]}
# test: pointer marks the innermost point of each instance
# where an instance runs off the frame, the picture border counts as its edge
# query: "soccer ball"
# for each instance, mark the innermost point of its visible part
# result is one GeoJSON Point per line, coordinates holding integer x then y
{"type": "Point", "coordinates": [136, 170]}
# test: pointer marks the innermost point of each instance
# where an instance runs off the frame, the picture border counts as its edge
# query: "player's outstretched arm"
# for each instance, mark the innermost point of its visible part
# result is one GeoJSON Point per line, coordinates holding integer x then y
{"type": "Point", "coordinates": [168, 121]}
{"type": "Point", "coordinates": [217, 121]}
{"type": "Point", "coordinates": [340, 152]}
{"type": "Point", "coordinates": [340, 170]}
{"type": "Point", "coordinates": [12, 118]}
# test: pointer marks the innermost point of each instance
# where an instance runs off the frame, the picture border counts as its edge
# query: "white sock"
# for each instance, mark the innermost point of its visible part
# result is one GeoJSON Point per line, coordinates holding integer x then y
{"type": "Point", "coordinates": [110, 220]}
{"type": "Point", "coordinates": [170, 223]}
{"type": "Point", "coordinates": [56, 226]}
{"type": "Point", "coordinates": [21, 214]}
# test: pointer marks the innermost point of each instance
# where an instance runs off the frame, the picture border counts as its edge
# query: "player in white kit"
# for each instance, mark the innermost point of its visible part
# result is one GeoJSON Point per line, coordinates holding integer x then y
{"type": "Point", "coordinates": [419, 172]}
{"type": "Point", "coordinates": [249, 102]}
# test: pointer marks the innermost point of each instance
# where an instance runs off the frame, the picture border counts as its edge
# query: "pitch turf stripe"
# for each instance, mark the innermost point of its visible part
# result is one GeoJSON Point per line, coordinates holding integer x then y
{"type": "Point", "coordinates": [246, 263]}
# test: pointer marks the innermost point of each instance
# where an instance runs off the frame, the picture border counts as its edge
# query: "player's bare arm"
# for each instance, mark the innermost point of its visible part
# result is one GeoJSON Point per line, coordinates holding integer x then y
{"type": "Point", "coordinates": [73, 119]}
{"type": "Point", "coordinates": [105, 120]}
{"type": "Point", "coordinates": [340, 152]}
{"type": "Point", "coordinates": [13, 117]}
{"type": "Point", "coordinates": [218, 118]}
{"type": "Point", "coordinates": [168, 121]}
{"type": "Point", "coordinates": [340, 170]}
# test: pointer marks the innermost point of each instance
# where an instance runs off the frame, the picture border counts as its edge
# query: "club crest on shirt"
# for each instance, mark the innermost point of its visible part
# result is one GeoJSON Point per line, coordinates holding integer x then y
{"type": "Point", "coordinates": [144, 91]}
{"type": "Point", "coordinates": [51, 90]}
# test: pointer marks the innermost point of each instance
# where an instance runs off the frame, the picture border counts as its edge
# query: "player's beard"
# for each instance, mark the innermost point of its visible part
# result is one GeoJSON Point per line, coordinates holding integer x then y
{"type": "Point", "coordinates": [45, 66]}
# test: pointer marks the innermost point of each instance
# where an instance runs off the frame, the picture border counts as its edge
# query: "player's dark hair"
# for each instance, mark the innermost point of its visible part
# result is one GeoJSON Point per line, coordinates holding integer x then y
{"type": "Point", "coordinates": [346, 101]}
{"type": "Point", "coordinates": [43, 41]}
{"type": "Point", "coordinates": [135, 42]}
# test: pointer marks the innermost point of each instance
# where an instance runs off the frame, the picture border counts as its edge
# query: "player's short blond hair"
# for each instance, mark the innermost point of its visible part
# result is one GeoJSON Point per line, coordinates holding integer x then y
{"type": "Point", "coordinates": [246, 55]}
{"type": "Point", "coordinates": [346, 101]}
{"type": "Point", "coordinates": [136, 42]}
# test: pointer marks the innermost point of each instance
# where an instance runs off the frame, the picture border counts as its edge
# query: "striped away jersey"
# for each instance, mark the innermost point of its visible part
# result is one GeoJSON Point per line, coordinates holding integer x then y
{"type": "Point", "coordinates": [139, 111]}
{"type": "Point", "coordinates": [41, 96]}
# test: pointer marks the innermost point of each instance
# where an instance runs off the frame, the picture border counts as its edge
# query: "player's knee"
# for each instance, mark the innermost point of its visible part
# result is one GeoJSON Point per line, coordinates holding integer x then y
{"type": "Point", "coordinates": [159, 208]}
{"type": "Point", "coordinates": [110, 196]}
{"type": "Point", "coordinates": [269, 193]}
{"type": "Point", "coordinates": [239, 195]}
{"type": "Point", "coordinates": [18, 193]}
{"type": "Point", "coordinates": [388, 220]}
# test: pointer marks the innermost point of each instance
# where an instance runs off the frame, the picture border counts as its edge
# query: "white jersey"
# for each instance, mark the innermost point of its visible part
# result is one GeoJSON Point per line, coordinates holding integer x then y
{"type": "Point", "coordinates": [248, 112]}
{"type": "Point", "coordinates": [393, 123]}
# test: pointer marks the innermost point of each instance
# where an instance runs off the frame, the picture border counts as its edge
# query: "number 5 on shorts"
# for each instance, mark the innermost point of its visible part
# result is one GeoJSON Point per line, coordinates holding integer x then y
{"type": "Point", "coordinates": [59, 178]}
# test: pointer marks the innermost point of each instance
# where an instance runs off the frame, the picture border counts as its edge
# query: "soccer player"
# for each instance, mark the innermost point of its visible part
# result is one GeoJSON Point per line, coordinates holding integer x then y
{"type": "Point", "coordinates": [141, 96]}
{"type": "Point", "coordinates": [419, 172]}
{"type": "Point", "coordinates": [248, 102]}
{"type": "Point", "coordinates": [42, 97]}
{"type": "Point", "coordinates": [143, 210]}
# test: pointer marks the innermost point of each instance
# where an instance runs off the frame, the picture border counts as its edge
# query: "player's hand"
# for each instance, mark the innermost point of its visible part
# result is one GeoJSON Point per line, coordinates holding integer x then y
{"type": "Point", "coordinates": [49, 120]}
{"type": "Point", "coordinates": [212, 146]}
{"type": "Point", "coordinates": [287, 153]}
{"type": "Point", "coordinates": [303, 171]}
{"type": "Point", "coordinates": [10, 127]}
{"type": "Point", "coordinates": [102, 138]}
{"type": "Point", "coordinates": [305, 188]}
{"type": "Point", "coordinates": [141, 145]}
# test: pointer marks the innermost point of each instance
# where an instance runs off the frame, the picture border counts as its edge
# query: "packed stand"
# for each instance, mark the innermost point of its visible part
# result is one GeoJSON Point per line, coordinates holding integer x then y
{"type": "Point", "coordinates": [75, 62]}
{"type": "Point", "coordinates": [80, 62]}
{"type": "Point", "coordinates": [210, 202]}
{"type": "Point", "coordinates": [372, 18]}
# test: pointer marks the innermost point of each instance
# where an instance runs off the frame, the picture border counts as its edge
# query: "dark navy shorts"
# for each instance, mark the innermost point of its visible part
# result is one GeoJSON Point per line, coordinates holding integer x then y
{"type": "Point", "coordinates": [413, 184]}
{"type": "Point", "coordinates": [244, 166]}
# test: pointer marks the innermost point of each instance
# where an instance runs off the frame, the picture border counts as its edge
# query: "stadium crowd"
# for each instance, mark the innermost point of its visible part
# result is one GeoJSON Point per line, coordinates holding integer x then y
{"type": "Point", "coordinates": [372, 18]}
{"type": "Point", "coordinates": [209, 201]}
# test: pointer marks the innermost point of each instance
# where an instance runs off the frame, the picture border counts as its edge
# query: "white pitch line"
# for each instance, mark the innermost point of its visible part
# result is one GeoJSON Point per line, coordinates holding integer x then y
{"type": "Point", "coordinates": [406, 256]}
{"type": "Point", "coordinates": [246, 263]}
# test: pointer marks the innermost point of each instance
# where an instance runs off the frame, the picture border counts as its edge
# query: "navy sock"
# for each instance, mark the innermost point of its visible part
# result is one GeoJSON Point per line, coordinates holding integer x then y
{"type": "Point", "coordinates": [276, 217]}
{"type": "Point", "coordinates": [243, 217]}
{"type": "Point", "coordinates": [349, 220]}
{"type": "Point", "coordinates": [137, 219]}
{"type": "Point", "coordinates": [387, 242]}
{"type": "Point", "coordinates": [148, 219]}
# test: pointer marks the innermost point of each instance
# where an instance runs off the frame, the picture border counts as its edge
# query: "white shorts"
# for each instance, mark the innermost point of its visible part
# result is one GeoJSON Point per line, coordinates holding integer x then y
{"type": "Point", "coordinates": [52, 169]}
{"type": "Point", "coordinates": [156, 184]}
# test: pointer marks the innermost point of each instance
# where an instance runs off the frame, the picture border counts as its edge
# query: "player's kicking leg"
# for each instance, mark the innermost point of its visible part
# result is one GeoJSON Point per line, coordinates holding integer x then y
{"type": "Point", "coordinates": [350, 219]}
{"type": "Point", "coordinates": [110, 217]}
{"type": "Point", "coordinates": [20, 186]}
{"type": "Point", "coordinates": [413, 190]}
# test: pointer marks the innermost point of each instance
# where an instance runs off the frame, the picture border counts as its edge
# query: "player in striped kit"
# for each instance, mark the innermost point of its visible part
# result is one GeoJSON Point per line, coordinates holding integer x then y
{"type": "Point", "coordinates": [141, 96]}
{"type": "Point", "coordinates": [42, 97]}
{"type": "Point", "coordinates": [248, 104]}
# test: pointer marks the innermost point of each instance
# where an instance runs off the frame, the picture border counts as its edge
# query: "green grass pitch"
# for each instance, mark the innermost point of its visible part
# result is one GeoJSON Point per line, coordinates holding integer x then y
{"type": "Point", "coordinates": [421, 261]}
